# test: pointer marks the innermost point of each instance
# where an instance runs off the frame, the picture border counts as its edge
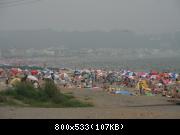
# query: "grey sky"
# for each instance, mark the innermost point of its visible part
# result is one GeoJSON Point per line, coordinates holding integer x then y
{"type": "Point", "coordinates": [139, 15]}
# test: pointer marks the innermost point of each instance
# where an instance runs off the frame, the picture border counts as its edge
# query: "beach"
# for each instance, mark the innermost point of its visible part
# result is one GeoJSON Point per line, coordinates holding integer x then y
{"type": "Point", "coordinates": [106, 106]}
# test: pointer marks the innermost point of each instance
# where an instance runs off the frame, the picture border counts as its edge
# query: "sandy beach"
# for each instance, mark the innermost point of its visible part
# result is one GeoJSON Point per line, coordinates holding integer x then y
{"type": "Point", "coordinates": [106, 106]}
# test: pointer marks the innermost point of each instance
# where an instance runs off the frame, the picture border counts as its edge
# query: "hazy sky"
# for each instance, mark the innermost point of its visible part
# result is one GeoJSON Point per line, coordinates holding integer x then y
{"type": "Point", "coordinates": [139, 15]}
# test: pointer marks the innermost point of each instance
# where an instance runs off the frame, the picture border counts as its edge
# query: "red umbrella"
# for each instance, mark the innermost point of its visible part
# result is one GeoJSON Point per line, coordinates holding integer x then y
{"type": "Point", "coordinates": [141, 73]}
{"type": "Point", "coordinates": [34, 72]}
{"type": "Point", "coordinates": [1, 71]}
{"type": "Point", "coordinates": [154, 73]}
{"type": "Point", "coordinates": [166, 75]}
{"type": "Point", "coordinates": [14, 71]}
{"type": "Point", "coordinates": [158, 77]}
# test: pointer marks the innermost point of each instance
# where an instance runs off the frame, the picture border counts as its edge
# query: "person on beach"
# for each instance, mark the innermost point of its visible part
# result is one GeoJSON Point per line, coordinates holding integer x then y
{"type": "Point", "coordinates": [141, 90]}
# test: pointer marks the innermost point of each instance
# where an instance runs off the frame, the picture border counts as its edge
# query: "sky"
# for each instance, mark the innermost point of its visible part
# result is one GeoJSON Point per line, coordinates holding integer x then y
{"type": "Point", "coordinates": [146, 16]}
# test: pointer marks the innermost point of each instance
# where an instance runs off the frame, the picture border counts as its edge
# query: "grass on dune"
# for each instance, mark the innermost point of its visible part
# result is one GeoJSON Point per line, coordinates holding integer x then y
{"type": "Point", "coordinates": [24, 94]}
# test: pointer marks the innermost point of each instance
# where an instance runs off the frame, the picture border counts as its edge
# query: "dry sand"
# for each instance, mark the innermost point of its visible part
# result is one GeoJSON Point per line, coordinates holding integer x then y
{"type": "Point", "coordinates": [106, 106]}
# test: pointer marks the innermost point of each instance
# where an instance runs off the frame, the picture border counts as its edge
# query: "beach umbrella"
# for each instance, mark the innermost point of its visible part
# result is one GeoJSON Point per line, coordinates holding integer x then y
{"type": "Point", "coordinates": [123, 74]}
{"type": "Point", "coordinates": [100, 74]}
{"type": "Point", "coordinates": [56, 77]}
{"type": "Point", "coordinates": [86, 76]}
{"type": "Point", "coordinates": [112, 77]}
{"type": "Point", "coordinates": [64, 76]}
{"type": "Point", "coordinates": [34, 72]}
{"type": "Point", "coordinates": [130, 74]}
{"type": "Point", "coordinates": [166, 81]}
{"type": "Point", "coordinates": [77, 72]}
{"type": "Point", "coordinates": [166, 75]}
{"type": "Point", "coordinates": [14, 71]}
{"type": "Point", "coordinates": [19, 70]}
{"type": "Point", "coordinates": [172, 75]}
{"type": "Point", "coordinates": [87, 71]}
{"type": "Point", "coordinates": [33, 78]}
{"type": "Point", "coordinates": [131, 77]}
{"type": "Point", "coordinates": [51, 72]}
{"type": "Point", "coordinates": [153, 76]}
{"type": "Point", "coordinates": [45, 71]}
{"type": "Point", "coordinates": [1, 71]}
{"type": "Point", "coordinates": [154, 73]}
{"type": "Point", "coordinates": [176, 75]}
{"type": "Point", "coordinates": [47, 77]}
{"type": "Point", "coordinates": [141, 73]}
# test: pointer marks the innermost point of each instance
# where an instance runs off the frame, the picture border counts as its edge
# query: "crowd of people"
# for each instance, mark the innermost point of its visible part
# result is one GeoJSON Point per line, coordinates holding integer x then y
{"type": "Point", "coordinates": [165, 83]}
